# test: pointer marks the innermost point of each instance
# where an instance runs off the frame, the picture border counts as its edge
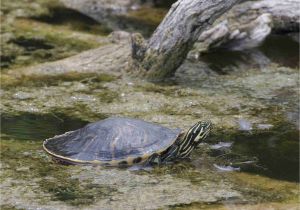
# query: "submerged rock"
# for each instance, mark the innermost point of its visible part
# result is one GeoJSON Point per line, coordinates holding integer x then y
{"type": "Point", "coordinates": [245, 125]}
{"type": "Point", "coordinates": [227, 168]}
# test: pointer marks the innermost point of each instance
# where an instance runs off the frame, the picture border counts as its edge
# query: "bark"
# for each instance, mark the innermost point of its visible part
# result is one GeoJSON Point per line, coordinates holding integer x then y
{"type": "Point", "coordinates": [168, 46]}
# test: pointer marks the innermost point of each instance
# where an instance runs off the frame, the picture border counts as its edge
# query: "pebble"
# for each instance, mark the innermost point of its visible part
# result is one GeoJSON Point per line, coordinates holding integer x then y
{"type": "Point", "coordinates": [227, 168]}
{"type": "Point", "coordinates": [23, 169]}
{"type": "Point", "coordinates": [264, 126]}
{"type": "Point", "coordinates": [245, 125]}
{"type": "Point", "coordinates": [22, 95]}
{"type": "Point", "coordinates": [221, 145]}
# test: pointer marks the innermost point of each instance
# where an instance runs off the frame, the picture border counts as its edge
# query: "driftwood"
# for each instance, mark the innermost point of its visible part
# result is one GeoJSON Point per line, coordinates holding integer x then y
{"type": "Point", "coordinates": [248, 24]}
{"type": "Point", "coordinates": [189, 21]}
{"type": "Point", "coordinates": [168, 46]}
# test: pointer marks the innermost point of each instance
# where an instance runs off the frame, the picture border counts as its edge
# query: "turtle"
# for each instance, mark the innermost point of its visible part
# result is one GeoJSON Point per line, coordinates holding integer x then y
{"type": "Point", "coordinates": [118, 141]}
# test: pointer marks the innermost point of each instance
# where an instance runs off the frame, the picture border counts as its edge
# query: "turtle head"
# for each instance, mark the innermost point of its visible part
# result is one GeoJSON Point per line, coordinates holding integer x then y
{"type": "Point", "coordinates": [201, 130]}
{"type": "Point", "coordinates": [196, 134]}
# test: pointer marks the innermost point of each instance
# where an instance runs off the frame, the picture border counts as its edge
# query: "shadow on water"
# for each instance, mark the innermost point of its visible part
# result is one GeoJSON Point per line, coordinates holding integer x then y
{"type": "Point", "coordinates": [272, 152]}
{"type": "Point", "coordinates": [279, 49]}
{"type": "Point", "coordinates": [282, 50]}
{"type": "Point", "coordinates": [38, 127]}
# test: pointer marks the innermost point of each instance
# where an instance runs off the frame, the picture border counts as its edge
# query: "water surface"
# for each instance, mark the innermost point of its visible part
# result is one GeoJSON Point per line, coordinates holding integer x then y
{"type": "Point", "coordinates": [201, 184]}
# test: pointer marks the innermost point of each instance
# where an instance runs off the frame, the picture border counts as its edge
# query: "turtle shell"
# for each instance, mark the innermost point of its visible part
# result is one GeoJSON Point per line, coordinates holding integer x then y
{"type": "Point", "coordinates": [113, 141]}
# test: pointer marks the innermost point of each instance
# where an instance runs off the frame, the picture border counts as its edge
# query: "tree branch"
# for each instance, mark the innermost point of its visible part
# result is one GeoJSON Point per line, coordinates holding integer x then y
{"type": "Point", "coordinates": [168, 46]}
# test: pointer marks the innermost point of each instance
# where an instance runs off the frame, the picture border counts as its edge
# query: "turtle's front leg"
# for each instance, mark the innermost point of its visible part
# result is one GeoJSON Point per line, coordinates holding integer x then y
{"type": "Point", "coordinates": [154, 159]}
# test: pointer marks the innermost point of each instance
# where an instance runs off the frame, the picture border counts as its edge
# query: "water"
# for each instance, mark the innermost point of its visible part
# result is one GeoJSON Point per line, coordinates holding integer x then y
{"type": "Point", "coordinates": [256, 167]}
{"type": "Point", "coordinates": [37, 127]}
{"type": "Point", "coordinates": [279, 49]}
{"type": "Point", "coordinates": [273, 152]}
{"type": "Point", "coordinates": [200, 184]}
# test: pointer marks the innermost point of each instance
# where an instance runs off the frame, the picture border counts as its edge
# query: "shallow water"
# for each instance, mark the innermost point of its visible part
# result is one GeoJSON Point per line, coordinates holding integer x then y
{"type": "Point", "coordinates": [251, 97]}
{"type": "Point", "coordinates": [194, 183]}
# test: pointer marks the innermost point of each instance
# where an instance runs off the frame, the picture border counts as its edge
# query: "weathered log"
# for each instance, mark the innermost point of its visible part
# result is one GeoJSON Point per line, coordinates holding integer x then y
{"type": "Point", "coordinates": [248, 24]}
{"type": "Point", "coordinates": [168, 46]}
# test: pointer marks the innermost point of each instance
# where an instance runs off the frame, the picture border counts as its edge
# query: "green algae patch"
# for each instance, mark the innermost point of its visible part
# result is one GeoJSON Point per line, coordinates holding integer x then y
{"type": "Point", "coordinates": [35, 42]}
{"type": "Point", "coordinates": [8, 80]}
{"type": "Point", "coordinates": [28, 40]}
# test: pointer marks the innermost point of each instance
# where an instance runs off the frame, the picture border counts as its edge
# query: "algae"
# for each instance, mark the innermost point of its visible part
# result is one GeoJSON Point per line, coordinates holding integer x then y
{"type": "Point", "coordinates": [8, 81]}
{"type": "Point", "coordinates": [88, 186]}
{"type": "Point", "coordinates": [27, 40]}
{"type": "Point", "coordinates": [48, 105]}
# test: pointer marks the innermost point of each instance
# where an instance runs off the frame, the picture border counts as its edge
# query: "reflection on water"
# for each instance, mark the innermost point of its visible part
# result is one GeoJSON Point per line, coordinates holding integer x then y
{"type": "Point", "coordinates": [282, 50]}
{"type": "Point", "coordinates": [187, 183]}
{"type": "Point", "coordinates": [279, 49]}
{"type": "Point", "coordinates": [38, 127]}
{"type": "Point", "coordinates": [273, 152]}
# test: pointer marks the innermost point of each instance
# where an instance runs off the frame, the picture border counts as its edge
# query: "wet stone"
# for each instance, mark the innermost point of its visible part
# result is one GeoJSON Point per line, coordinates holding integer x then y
{"type": "Point", "coordinates": [22, 95]}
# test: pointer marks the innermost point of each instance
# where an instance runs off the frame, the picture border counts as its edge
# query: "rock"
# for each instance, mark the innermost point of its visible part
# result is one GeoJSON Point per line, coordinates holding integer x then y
{"type": "Point", "coordinates": [22, 169]}
{"type": "Point", "coordinates": [221, 145]}
{"type": "Point", "coordinates": [264, 126]}
{"type": "Point", "coordinates": [119, 36]}
{"type": "Point", "coordinates": [226, 168]}
{"type": "Point", "coordinates": [245, 125]}
{"type": "Point", "coordinates": [22, 95]}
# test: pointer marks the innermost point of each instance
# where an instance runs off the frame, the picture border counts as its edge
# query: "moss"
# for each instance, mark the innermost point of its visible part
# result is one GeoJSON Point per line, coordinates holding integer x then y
{"type": "Point", "coordinates": [8, 81]}
{"type": "Point", "coordinates": [107, 96]}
